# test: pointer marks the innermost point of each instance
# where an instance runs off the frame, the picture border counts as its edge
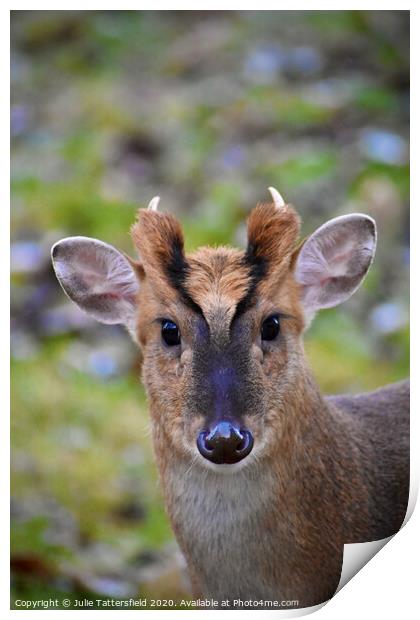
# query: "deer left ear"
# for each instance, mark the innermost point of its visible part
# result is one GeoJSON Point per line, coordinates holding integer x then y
{"type": "Point", "coordinates": [98, 278]}
{"type": "Point", "coordinates": [334, 260]}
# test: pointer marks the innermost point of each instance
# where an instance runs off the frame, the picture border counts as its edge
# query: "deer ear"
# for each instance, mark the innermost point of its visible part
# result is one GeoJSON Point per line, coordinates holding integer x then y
{"type": "Point", "coordinates": [334, 260]}
{"type": "Point", "coordinates": [98, 278]}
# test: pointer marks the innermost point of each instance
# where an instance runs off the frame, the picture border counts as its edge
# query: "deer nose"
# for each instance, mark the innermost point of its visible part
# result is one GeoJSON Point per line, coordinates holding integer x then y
{"type": "Point", "coordinates": [225, 443]}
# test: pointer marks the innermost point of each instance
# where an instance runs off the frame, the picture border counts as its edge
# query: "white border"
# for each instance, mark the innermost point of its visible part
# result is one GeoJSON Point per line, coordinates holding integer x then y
{"type": "Point", "coordinates": [387, 586]}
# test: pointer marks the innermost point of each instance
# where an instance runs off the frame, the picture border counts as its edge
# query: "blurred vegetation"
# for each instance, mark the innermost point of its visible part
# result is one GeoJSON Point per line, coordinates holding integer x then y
{"type": "Point", "coordinates": [206, 109]}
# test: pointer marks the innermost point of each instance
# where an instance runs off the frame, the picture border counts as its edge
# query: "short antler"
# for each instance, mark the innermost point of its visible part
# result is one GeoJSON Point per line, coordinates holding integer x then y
{"type": "Point", "coordinates": [153, 204]}
{"type": "Point", "coordinates": [277, 199]}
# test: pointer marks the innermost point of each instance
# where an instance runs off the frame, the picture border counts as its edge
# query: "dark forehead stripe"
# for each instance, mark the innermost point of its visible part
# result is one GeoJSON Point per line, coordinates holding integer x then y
{"type": "Point", "coordinates": [257, 266]}
{"type": "Point", "coordinates": [159, 240]}
{"type": "Point", "coordinates": [177, 270]}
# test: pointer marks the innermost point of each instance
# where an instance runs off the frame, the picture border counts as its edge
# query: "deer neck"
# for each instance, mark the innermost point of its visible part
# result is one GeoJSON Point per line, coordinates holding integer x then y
{"type": "Point", "coordinates": [228, 524]}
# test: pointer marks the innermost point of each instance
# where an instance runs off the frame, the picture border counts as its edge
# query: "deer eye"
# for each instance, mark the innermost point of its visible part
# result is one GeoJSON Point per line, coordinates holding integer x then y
{"type": "Point", "coordinates": [170, 333]}
{"type": "Point", "coordinates": [270, 328]}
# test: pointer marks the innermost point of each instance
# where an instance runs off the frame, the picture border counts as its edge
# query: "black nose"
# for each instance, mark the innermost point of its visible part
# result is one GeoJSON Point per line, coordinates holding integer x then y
{"type": "Point", "coordinates": [225, 443]}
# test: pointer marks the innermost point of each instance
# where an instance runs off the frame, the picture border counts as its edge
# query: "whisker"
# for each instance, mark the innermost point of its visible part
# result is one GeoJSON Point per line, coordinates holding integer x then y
{"type": "Point", "coordinates": [194, 459]}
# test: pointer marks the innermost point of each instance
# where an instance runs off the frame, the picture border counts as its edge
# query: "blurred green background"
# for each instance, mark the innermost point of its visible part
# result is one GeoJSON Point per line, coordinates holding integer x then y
{"type": "Point", "coordinates": [206, 109]}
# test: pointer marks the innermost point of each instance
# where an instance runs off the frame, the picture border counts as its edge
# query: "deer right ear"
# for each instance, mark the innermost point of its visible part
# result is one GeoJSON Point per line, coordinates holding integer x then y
{"type": "Point", "coordinates": [98, 278]}
{"type": "Point", "coordinates": [334, 260]}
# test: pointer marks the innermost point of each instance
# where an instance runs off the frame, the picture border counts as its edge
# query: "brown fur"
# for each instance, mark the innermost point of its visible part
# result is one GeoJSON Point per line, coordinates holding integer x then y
{"type": "Point", "coordinates": [154, 235]}
{"type": "Point", "coordinates": [218, 280]}
{"type": "Point", "coordinates": [272, 232]}
{"type": "Point", "coordinates": [272, 237]}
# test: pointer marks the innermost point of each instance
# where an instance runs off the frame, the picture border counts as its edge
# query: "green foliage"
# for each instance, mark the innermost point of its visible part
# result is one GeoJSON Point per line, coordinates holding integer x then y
{"type": "Point", "coordinates": [376, 99]}
{"type": "Point", "coordinates": [343, 357]}
{"type": "Point", "coordinates": [306, 169]}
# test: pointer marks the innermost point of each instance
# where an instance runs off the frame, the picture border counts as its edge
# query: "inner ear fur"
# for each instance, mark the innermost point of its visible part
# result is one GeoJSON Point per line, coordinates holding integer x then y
{"type": "Point", "coordinates": [334, 260]}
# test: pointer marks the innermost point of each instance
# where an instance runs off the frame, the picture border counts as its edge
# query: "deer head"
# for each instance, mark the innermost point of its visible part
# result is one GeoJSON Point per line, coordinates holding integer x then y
{"type": "Point", "coordinates": [220, 329]}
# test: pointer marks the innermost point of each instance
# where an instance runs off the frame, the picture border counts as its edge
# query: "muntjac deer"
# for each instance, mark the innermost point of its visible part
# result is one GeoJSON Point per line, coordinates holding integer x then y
{"type": "Point", "coordinates": [264, 478]}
